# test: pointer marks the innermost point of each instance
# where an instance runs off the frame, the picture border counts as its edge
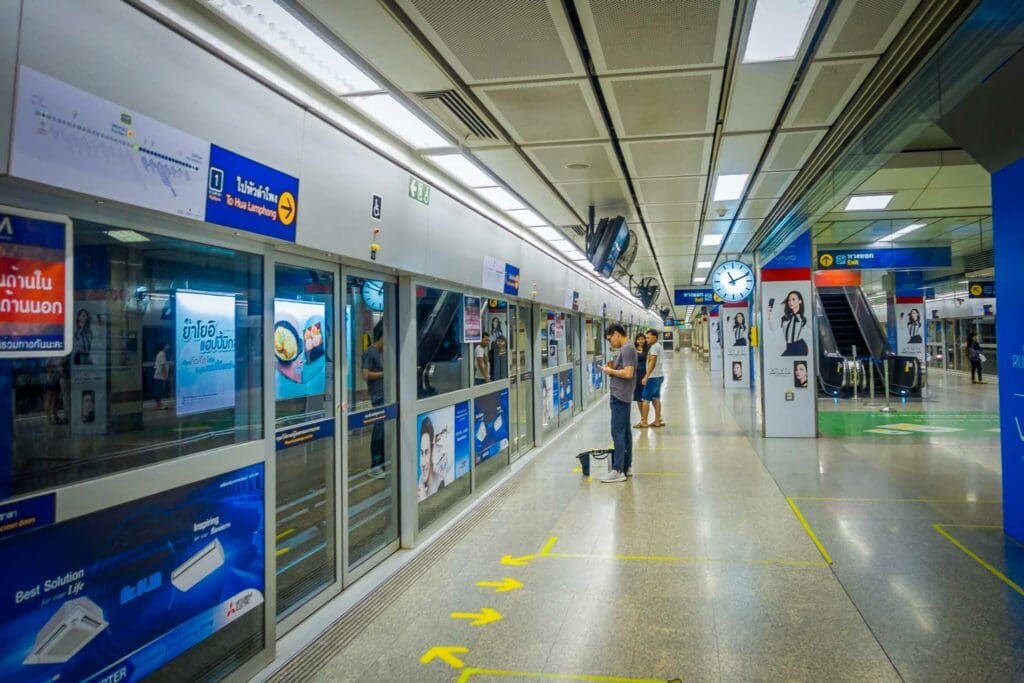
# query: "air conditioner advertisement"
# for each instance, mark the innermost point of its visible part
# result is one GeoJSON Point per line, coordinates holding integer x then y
{"type": "Point", "coordinates": [491, 424]}
{"type": "Point", "coordinates": [565, 390]}
{"type": "Point", "coordinates": [116, 594]}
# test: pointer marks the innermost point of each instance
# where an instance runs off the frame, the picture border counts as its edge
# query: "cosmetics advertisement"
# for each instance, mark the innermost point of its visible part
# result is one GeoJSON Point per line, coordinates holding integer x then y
{"type": "Point", "coordinates": [300, 348]}
{"type": "Point", "coordinates": [736, 345]}
{"type": "Point", "coordinates": [490, 425]}
{"type": "Point", "coordinates": [204, 371]}
{"type": "Point", "coordinates": [443, 445]}
{"type": "Point", "coordinates": [116, 594]}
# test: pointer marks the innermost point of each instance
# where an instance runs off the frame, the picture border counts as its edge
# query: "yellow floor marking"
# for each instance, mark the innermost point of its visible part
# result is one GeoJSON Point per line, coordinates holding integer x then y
{"type": "Point", "coordinates": [546, 552]}
{"type": "Point", "coordinates": [521, 561]}
{"type": "Point", "coordinates": [282, 551]}
{"type": "Point", "coordinates": [446, 654]}
{"type": "Point", "coordinates": [485, 616]}
{"type": "Point", "coordinates": [504, 586]}
{"type": "Point", "coordinates": [809, 530]}
{"type": "Point", "coordinates": [286, 533]}
{"type": "Point", "coordinates": [974, 556]}
{"type": "Point", "coordinates": [899, 500]}
{"type": "Point", "coordinates": [469, 673]}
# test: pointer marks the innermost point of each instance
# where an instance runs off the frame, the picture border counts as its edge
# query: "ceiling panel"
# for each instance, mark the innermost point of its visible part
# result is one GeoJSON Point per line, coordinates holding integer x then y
{"type": "Point", "coordinates": [630, 35]}
{"type": "Point", "coordinates": [771, 184]}
{"type": "Point", "coordinates": [606, 194]}
{"type": "Point", "coordinates": [484, 39]}
{"type": "Point", "coordinates": [642, 106]}
{"type": "Point", "coordinates": [887, 179]}
{"type": "Point", "coordinates": [740, 153]}
{"type": "Point", "coordinates": [657, 213]}
{"type": "Point", "coordinates": [669, 190]}
{"type": "Point", "coordinates": [862, 27]}
{"type": "Point", "coordinates": [825, 91]}
{"type": "Point", "coordinates": [654, 158]}
{"type": "Point", "coordinates": [757, 95]}
{"type": "Point", "coordinates": [513, 169]}
{"type": "Point", "coordinates": [736, 243]}
{"type": "Point", "coordinates": [673, 246]}
{"type": "Point", "coordinates": [959, 197]}
{"type": "Point", "coordinates": [673, 229]}
{"type": "Point", "coordinates": [549, 112]}
{"type": "Point", "coordinates": [972, 175]}
{"type": "Point", "coordinates": [790, 150]}
{"type": "Point", "coordinates": [756, 208]}
{"type": "Point", "coordinates": [555, 161]}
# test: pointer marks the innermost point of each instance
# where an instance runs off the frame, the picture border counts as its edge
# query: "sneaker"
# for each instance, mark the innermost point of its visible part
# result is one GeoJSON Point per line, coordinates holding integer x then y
{"type": "Point", "coordinates": [377, 472]}
{"type": "Point", "coordinates": [612, 477]}
{"type": "Point", "coordinates": [629, 472]}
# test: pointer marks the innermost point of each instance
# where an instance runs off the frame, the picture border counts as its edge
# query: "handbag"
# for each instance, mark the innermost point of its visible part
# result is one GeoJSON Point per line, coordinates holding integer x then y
{"type": "Point", "coordinates": [596, 454]}
{"type": "Point", "coordinates": [982, 357]}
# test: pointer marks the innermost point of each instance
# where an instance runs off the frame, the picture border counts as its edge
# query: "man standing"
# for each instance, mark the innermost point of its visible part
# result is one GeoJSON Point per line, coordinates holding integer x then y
{"type": "Point", "coordinates": [373, 375]}
{"type": "Point", "coordinates": [161, 371]}
{"type": "Point", "coordinates": [621, 372]}
{"type": "Point", "coordinates": [652, 380]}
{"type": "Point", "coordinates": [483, 362]}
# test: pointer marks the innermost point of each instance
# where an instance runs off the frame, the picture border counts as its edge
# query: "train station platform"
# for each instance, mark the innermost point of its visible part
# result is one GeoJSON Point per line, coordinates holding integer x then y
{"type": "Point", "coordinates": [726, 556]}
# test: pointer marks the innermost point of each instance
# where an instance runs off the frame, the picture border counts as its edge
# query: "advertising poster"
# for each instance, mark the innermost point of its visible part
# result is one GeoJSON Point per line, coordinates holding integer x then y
{"type": "Point", "coordinates": [511, 280]}
{"type": "Point", "coordinates": [495, 322]}
{"type": "Point", "coordinates": [596, 375]}
{"type": "Point", "coordinates": [89, 367]}
{"type": "Point", "coordinates": [36, 284]}
{"type": "Point", "coordinates": [493, 274]}
{"type": "Point", "coordinates": [204, 371]}
{"type": "Point", "coordinates": [556, 338]}
{"type": "Point", "coordinates": [715, 339]}
{"type": "Point", "coordinates": [736, 345]}
{"type": "Point", "coordinates": [549, 399]}
{"type": "Point", "coordinates": [565, 390]}
{"type": "Point", "coordinates": [116, 594]}
{"type": "Point", "coordinates": [300, 348]}
{"type": "Point", "coordinates": [906, 314]}
{"type": "Point", "coordinates": [443, 448]}
{"type": "Point", "coordinates": [472, 325]}
{"type": "Point", "coordinates": [790, 373]}
{"type": "Point", "coordinates": [490, 422]}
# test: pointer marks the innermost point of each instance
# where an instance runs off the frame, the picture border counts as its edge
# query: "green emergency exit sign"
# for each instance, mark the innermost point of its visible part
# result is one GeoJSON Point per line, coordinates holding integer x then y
{"type": "Point", "coordinates": [419, 190]}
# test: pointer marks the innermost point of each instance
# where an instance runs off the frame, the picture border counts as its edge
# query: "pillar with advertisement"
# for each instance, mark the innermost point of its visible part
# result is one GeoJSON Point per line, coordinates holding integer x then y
{"type": "Point", "coordinates": [715, 338]}
{"type": "Point", "coordinates": [789, 372]}
{"type": "Point", "coordinates": [736, 345]}
{"type": "Point", "coordinates": [906, 314]}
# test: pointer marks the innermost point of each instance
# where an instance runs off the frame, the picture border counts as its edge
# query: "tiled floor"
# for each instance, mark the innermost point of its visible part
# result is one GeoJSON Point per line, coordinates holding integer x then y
{"type": "Point", "coordinates": [699, 569]}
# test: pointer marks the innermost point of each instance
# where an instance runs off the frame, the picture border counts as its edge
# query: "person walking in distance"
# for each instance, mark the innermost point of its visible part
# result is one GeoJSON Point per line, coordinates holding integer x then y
{"type": "Point", "coordinates": [974, 357]}
{"type": "Point", "coordinates": [621, 372]}
{"type": "Point", "coordinates": [652, 380]}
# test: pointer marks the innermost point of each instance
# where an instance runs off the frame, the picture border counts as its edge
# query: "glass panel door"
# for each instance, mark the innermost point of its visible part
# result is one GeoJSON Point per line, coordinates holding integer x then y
{"type": "Point", "coordinates": [522, 328]}
{"type": "Point", "coordinates": [304, 353]}
{"type": "Point", "coordinates": [372, 446]}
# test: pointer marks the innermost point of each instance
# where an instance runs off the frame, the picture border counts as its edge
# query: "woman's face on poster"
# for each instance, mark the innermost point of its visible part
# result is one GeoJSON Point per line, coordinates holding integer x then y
{"type": "Point", "coordinates": [793, 302]}
{"type": "Point", "coordinates": [800, 371]}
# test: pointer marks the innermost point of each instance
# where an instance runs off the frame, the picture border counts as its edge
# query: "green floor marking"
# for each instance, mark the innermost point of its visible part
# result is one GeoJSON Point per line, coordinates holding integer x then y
{"type": "Point", "coordinates": [910, 425]}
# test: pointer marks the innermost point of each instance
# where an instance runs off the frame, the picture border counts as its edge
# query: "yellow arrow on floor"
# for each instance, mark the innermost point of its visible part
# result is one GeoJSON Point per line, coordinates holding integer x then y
{"type": "Point", "coordinates": [486, 616]}
{"type": "Point", "coordinates": [503, 586]}
{"type": "Point", "coordinates": [446, 653]}
{"type": "Point", "coordinates": [521, 561]}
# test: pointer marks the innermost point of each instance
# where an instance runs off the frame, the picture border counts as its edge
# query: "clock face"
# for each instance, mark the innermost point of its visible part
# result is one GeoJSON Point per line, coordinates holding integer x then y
{"type": "Point", "coordinates": [733, 281]}
{"type": "Point", "coordinates": [373, 295]}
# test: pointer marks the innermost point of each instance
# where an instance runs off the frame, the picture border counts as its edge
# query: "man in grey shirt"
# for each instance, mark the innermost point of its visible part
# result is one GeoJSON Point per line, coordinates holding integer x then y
{"type": "Point", "coordinates": [622, 377]}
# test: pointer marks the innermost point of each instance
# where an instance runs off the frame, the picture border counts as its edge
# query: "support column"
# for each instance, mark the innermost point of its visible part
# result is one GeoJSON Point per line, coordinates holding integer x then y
{"type": "Point", "coordinates": [906, 314]}
{"type": "Point", "coordinates": [736, 345]}
{"type": "Point", "coordinates": [715, 339]}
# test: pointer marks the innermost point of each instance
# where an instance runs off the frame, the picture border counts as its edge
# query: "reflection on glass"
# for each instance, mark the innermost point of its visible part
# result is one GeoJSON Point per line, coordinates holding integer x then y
{"type": "Point", "coordinates": [441, 364]}
{"type": "Point", "coordinates": [118, 400]}
{"type": "Point", "coordinates": [304, 353]}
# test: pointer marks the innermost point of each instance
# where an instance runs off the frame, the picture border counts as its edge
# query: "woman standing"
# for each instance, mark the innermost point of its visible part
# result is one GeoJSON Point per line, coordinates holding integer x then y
{"type": "Point", "coordinates": [974, 356]}
{"type": "Point", "coordinates": [640, 342]}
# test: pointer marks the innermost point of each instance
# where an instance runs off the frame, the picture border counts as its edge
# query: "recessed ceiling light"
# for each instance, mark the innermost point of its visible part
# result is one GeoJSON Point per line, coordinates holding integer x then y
{"type": "Point", "coordinates": [462, 169]}
{"type": "Point", "coordinates": [547, 233]}
{"type": "Point", "coordinates": [704, 264]}
{"type": "Point", "coordinates": [712, 240]}
{"type": "Point", "coordinates": [501, 198]}
{"type": "Point", "coordinates": [126, 236]}
{"type": "Point", "coordinates": [730, 187]}
{"type": "Point", "coordinates": [527, 218]}
{"type": "Point", "coordinates": [868, 202]}
{"type": "Point", "coordinates": [395, 117]}
{"type": "Point", "coordinates": [699, 280]}
{"type": "Point", "coordinates": [578, 166]}
{"type": "Point", "coordinates": [777, 29]}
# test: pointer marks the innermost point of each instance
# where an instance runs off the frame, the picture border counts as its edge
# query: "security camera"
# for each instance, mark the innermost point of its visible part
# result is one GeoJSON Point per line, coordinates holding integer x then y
{"type": "Point", "coordinates": [722, 211]}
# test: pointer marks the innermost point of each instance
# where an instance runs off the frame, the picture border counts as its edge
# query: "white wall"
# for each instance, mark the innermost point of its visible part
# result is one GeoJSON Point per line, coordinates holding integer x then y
{"type": "Point", "coordinates": [116, 52]}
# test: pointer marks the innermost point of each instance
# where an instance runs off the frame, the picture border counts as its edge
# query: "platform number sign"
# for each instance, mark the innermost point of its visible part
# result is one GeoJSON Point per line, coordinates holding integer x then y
{"type": "Point", "coordinates": [419, 190]}
{"type": "Point", "coordinates": [376, 207]}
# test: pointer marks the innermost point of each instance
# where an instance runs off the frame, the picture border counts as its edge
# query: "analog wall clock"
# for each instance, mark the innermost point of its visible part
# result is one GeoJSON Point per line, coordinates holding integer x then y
{"type": "Point", "coordinates": [733, 281]}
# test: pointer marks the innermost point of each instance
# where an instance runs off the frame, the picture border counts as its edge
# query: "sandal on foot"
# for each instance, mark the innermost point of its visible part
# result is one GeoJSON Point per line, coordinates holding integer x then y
{"type": "Point", "coordinates": [641, 425]}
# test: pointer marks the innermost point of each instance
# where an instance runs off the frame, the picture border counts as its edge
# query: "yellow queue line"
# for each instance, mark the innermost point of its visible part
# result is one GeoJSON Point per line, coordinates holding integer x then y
{"type": "Point", "coordinates": [809, 530]}
{"type": "Point", "coordinates": [469, 673]}
{"type": "Point", "coordinates": [973, 555]}
{"type": "Point", "coordinates": [934, 501]}
{"type": "Point", "coordinates": [546, 551]}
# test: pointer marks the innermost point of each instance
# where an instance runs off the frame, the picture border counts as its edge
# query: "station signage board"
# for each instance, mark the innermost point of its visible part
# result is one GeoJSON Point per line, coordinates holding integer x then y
{"type": "Point", "coordinates": [886, 258]}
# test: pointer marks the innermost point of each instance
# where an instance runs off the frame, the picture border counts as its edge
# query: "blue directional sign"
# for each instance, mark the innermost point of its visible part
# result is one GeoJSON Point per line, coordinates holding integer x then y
{"type": "Point", "coordinates": [245, 194]}
{"type": "Point", "coordinates": [981, 289]}
{"type": "Point", "coordinates": [884, 258]}
{"type": "Point", "coordinates": [696, 296]}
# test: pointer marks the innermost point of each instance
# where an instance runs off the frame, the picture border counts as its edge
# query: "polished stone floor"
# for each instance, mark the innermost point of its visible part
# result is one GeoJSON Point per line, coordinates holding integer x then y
{"type": "Point", "coordinates": [701, 568]}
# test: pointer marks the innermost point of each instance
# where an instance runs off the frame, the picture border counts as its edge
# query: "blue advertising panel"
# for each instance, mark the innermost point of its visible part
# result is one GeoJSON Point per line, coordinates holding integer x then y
{"type": "Point", "coordinates": [443, 448]}
{"type": "Point", "coordinates": [511, 279]}
{"type": "Point", "coordinates": [886, 258]}
{"type": "Point", "coordinates": [1008, 244]}
{"type": "Point", "coordinates": [565, 390]}
{"type": "Point", "coordinates": [695, 296]}
{"type": "Point", "coordinates": [491, 425]}
{"type": "Point", "coordinates": [247, 195]}
{"type": "Point", "coordinates": [116, 594]}
{"type": "Point", "coordinates": [303, 434]}
{"type": "Point", "coordinates": [28, 514]}
{"type": "Point", "coordinates": [981, 289]}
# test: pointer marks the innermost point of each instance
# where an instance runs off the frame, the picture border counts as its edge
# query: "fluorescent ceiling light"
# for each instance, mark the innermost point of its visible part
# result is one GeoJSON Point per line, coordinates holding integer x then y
{"type": "Point", "coordinates": [126, 236]}
{"type": "Point", "coordinates": [868, 202]}
{"type": "Point", "coordinates": [699, 280]}
{"type": "Point", "coordinates": [712, 240]}
{"type": "Point", "coordinates": [704, 264]}
{"type": "Point", "coordinates": [576, 255]}
{"type": "Point", "coordinates": [548, 234]}
{"type": "Point", "coordinates": [500, 197]}
{"type": "Point", "coordinates": [276, 29]}
{"type": "Point", "coordinates": [526, 217]}
{"type": "Point", "coordinates": [462, 169]}
{"type": "Point", "coordinates": [730, 187]}
{"type": "Point", "coordinates": [777, 29]}
{"type": "Point", "coordinates": [394, 117]}
{"type": "Point", "coordinates": [564, 246]}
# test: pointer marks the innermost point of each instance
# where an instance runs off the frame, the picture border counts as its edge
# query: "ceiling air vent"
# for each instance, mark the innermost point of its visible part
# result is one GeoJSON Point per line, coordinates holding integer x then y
{"type": "Point", "coordinates": [580, 230]}
{"type": "Point", "coordinates": [457, 112]}
{"type": "Point", "coordinates": [980, 261]}
{"type": "Point", "coordinates": [69, 630]}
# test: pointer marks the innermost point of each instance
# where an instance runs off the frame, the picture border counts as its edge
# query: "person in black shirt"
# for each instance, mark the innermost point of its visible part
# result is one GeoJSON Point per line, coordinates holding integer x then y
{"type": "Point", "coordinates": [373, 375]}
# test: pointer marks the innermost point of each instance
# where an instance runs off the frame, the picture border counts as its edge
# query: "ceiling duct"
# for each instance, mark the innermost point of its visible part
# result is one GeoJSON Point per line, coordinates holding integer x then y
{"type": "Point", "coordinates": [980, 261]}
{"type": "Point", "coordinates": [458, 114]}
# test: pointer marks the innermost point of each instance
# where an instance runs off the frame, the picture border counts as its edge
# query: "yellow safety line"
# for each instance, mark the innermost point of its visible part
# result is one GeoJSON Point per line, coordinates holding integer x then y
{"type": "Point", "coordinates": [1001, 576]}
{"type": "Point", "coordinates": [971, 526]}
{"type": "Point", "coordinates": [286, 533]}
{"type": "Point", "coordinates": [898, 500]}
{"type": "Point", "coordinates": [548, 546]}
{"type": "Point", "coordinates": [809, 530]}
{"type": "Point", "coordinates": [469, 673]}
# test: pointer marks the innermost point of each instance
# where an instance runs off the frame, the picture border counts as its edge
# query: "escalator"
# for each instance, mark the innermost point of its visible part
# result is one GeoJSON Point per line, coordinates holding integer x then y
{"type": "Point", "coordinates": [438, 350]}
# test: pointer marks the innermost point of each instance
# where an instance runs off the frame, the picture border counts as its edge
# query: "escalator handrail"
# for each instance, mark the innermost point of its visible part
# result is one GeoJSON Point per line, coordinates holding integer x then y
{"type": "Point", "coordinates": [867, 322]}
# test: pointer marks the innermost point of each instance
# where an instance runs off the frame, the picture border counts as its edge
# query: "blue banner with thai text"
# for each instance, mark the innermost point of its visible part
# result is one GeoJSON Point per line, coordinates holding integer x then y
{"type": "Point", "coordinates": [244, 194]}
{"type": "Point", "coordinates": [885, 258]}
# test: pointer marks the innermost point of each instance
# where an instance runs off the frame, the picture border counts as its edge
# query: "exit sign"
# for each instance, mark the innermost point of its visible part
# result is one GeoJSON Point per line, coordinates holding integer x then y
{"type": "Point", "coordinates": [419, 190]}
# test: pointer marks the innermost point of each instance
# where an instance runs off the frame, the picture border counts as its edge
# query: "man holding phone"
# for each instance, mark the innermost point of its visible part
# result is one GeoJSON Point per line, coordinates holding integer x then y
{"type": "Point", "coordinates": [622, 377]}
